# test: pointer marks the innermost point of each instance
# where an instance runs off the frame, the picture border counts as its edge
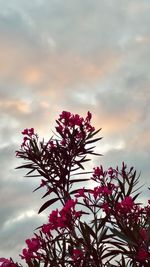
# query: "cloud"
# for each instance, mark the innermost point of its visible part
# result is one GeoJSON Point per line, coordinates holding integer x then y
{"type": "Point", "coordinates": [76, 56]}
{"type": "Point", "coordinates": [14, 233]}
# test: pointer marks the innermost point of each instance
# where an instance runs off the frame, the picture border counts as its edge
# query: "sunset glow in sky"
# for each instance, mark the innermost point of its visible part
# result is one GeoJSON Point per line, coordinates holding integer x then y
{"type": "Point", "coordinates": [77, 56]}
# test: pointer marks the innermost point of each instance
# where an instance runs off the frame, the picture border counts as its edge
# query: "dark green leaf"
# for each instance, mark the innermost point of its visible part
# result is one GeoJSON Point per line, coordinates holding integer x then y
{"type": "Point", "coordinates": [93, 133]}
{"type": "Point", "coordinates": [85, 233]}
{"type": "Point", "coordinates": [47, 204]}
{"type": "Point", "coordinates": [122, 236]}
{"type": "Point", "coordinates": [29, 165]}
{"type": "Point", "coordinates": [48, 193]}
{"type": "Point", "coordinates": [89, 229]}
{"type": "Point", "coordinates": [93, 140]}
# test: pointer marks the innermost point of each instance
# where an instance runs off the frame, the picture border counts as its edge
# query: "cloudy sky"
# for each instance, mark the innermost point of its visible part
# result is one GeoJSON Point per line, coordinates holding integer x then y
{"type": "Point", "coordinates": [77, 56]}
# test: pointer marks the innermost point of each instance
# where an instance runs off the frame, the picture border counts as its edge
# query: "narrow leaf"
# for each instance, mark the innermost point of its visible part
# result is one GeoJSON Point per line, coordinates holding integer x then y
{"type": "Point", "coordinates": [47, 204]}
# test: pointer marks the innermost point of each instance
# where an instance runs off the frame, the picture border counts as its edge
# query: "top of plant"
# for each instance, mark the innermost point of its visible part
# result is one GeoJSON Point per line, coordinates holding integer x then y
{"type": "Point", "coordinates": [57, 160]}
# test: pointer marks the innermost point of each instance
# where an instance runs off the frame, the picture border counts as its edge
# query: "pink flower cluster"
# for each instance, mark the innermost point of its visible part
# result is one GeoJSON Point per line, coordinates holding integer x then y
{"type": "Point", "coordinates": [103, 197]}
{"type": "Point", "coordinates": [125, 206]}
{"type": "Point", "coordinates": [142, 255]}
{"type": "Point", "coordinates": [29, 132]}
{"type": "Point", "coordinates": [30, 253]}
{"type": "Point", "coordinates": [65, 218]}
{"type": "Point", "coordinates": [77, 254]}
{"type": "Point", "coordinates": [7, 263]}
{"type": "Point", "coordinates": [113, 223]}
{"type": "Point", "coordinates": [99, 175]}
{"type": "Point", "coordinates": [69, 124]}
{"type": "Point", "coordinates": [28, 135]}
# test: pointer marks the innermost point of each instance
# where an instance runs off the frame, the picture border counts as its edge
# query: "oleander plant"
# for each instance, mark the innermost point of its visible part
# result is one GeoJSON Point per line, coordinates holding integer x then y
{"type": "Point", "coordinates": [99, 222]}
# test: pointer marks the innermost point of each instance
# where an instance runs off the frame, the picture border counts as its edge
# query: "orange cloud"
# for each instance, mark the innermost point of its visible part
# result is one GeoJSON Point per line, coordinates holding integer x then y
{"type": "Point", "coordinates": [15, 105]}
{"type": "Point", "coordinates": [22, 63]}
{"type": "Point", "coordinates": [116, 123]}
{"type": "Point", "coordinates": [32, 75]}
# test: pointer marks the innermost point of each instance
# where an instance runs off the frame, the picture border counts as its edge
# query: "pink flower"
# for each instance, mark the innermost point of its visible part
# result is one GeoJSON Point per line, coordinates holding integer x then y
{"type": "Point", "coordinates": [144, 234]}
{"type": "Point", "coordinates": [97, 191]}
{"type": "Point", "coordinates": [106, 190]}
{"type": "Point", "coordinates": [65, 116]}
{"type": "Point", "coordinates": [77, 254]}
{"type": "Point", "coordinates": [100, 191]}
{"type": "Point", "coordinates": [126, 204]}
{"type": "Point", "coordinates": [29, 132]}
{"type": "Point", "coordinates": [33, 244]}
{"type": "Point", "coordinates": [53, 219]}
{"type": "Point", "coordinates": [105, 207]}
{"type": "Point", "coordinates": [66, 214]}
{"type": "Point", "coordinates": [98, 173]}
{"type": "Point", "coordinates": [46, 228]}
{"type": "Point", "coordinates": [112, 172]}
{"type": "Point", "coordinates": [66, 217]}
{"type": "Point", "coordinates": [27, 255]}
{"type": "Point", "coordinates": [70, 204]}
{"type": "Point", "coordinates": [7, 263]}
{"type": "Point", "coordinates": [68, 122]}
{"type": "Point", "coordinates": [75, 120]}
{"type": "Point", "coordinates": [80, 193]}
{"type": "Point", "coordinates": [142, 255]}
{"type": "Point", "coordinates": [63, 142]}
{"type": "Point", "coordinates": [25, 131]}
{"type": "Point", "coordinates": [77, 214]}
{"type": "Point", "coordinates": [90, 128]}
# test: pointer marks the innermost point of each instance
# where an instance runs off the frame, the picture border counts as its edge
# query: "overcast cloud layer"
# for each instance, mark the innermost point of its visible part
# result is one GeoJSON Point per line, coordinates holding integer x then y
{"type": "Point", "coordinates": [76, 56]}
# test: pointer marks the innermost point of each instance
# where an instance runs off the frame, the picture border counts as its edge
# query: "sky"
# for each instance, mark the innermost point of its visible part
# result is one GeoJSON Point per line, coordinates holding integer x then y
{"type": "Point", "coordinates": [75, 56]}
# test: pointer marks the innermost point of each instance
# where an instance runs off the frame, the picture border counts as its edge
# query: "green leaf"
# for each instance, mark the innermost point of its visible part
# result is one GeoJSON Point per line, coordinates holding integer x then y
{"type": "Point", "coordinates": [42, 173]}
{"type": "Point", "coordinates": [85, 233]}
{"type": "Point", "coordinates": [96, 154]}
{"type": "Point", "coordinates": [80, 165]}
{"type": "Point", "coordinates": [89, 229]}
{"type": "Point", "coordinates": [33, 169]}
{"type": "Point", "coordinates": [30, 264]}
{"type": "Point", "coordinates": [94, 133]}
{"type": "Point", "coordinates": [47, 204]}
{"type": "Point", "coordinates": [135, 196]}
{"type": "Point", "coordinates": [122, 186]}
{"type": "Point", "coordinates": [35, 263]}
{"type": "Point", "coordinates": [93, 140]}
{"type": "Point", "coordinates": [122, 236]}
{"type": "Point", "coordinates": [102, 222]}
{"type": "Point", "coordinates": [28, 166]}
{"type": "Point", "coordinates": [48, 193]}
{"type": "Point", "coordinates": [36, 188]}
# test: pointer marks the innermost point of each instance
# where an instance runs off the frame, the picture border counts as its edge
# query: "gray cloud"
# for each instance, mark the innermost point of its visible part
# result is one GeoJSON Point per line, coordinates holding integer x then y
{"type": "Point", "coordinates": [77, 56]}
